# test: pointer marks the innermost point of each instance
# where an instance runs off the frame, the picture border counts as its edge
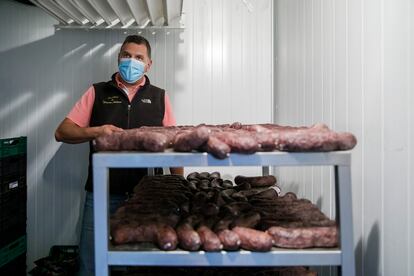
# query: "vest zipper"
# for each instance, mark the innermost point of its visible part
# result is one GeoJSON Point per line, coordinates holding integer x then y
{"type": "Point", "coordinates": [129, 109]}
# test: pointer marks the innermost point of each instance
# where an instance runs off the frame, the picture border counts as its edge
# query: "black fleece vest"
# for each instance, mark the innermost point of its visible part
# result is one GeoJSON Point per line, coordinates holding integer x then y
{"type": "Point", "coordinates": [111, 106]}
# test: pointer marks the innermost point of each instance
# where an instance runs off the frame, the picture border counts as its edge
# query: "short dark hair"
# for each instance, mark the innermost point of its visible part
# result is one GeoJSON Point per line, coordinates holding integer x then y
{"type": "Point", "coordinates": [140, 40]}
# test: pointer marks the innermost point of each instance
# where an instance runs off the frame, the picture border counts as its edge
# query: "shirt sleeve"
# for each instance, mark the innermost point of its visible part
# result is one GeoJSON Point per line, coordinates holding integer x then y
{"type": "Point", "coordinates": [82, 110]}
{"type": "Point", "coordinates": [169, 119]}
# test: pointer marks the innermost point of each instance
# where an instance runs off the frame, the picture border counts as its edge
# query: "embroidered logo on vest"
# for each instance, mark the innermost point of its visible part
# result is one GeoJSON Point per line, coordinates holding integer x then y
{"type": "Point", "coordinates": [148, 101]}
{"type": "Point", "coordinates": [112, 100]}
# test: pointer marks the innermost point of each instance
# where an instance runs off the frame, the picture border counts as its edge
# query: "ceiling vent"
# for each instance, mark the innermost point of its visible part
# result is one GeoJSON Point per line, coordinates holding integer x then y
{"type": "Point", "coordinates": [114, 14]}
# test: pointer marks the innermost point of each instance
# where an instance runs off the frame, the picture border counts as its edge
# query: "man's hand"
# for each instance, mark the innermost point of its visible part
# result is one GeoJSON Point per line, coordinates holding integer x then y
{"type": "Point", "coordinates": [107, 130]}
{"type": "Point", "coordinates": [71, 133]}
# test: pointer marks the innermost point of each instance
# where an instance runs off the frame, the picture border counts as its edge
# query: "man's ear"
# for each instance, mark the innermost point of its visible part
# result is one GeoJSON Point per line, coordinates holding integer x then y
{"type": "Point", "coordinates": [149, 65]}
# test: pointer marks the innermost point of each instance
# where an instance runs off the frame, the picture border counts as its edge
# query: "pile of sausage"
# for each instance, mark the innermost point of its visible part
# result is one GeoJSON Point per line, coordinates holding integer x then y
{"type": "Point", "coordinates": [220, 140]}
{"type": "Point", "coordinates": [209, 213]}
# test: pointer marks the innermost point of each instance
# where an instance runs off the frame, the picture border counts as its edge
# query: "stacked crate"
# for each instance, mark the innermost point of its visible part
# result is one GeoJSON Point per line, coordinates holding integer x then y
{"type": "Point", "coordinates": [13, 203]}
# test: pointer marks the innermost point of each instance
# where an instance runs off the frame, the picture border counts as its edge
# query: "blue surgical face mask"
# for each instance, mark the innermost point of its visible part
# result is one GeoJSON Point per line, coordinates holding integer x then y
{"type": "Point", "coordinates": [131, 70]}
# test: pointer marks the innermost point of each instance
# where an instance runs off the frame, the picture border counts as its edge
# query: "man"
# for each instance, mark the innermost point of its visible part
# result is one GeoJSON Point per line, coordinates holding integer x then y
{"type": "Point", "coordinates": [127, 101]}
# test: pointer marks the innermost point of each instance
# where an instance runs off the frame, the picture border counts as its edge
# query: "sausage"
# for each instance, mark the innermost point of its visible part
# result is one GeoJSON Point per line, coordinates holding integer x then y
{"type": "Point", "coordinates": [303, 237]}
{"type": "Point", "coordinates": [268, 194]}
{"type": "Point", "coordinates": [163, 235]}
{"type": "Point", "coordinates": [216, 183]}
{"type": "Point", "coordinates": [189, 140]}
{"type": "Point", "coordinates": [346, 141]}
{"type": "Point", "coordinates": [210, 209]}
{"type": "Point", "coordinates": [166, 237]}
{"type": "Point", "coordinates": [210, 241]}
{"type": "Point", "coordinates": [220, 140]}
{"type": "Point", "coordinates": [243, 186]}
{"type": "Point", "coordinates": [215, 175]}
{"type": "Point", "coordinates": [227, 184]}
{"type": "Point", "coordinates": [188, 238]}
{"type": "Point", "coordinates": [204, 175]}
{"type": "Point", "coordinates": [108, 142]}
{"type": "Point", "coordinates": [266, 142]}
{"type": "Point", "coordinates": [248, 220]}
{"type": "Point", "coordinates": [253, 240]}
{"type": "Point", "coordinates": [217, 147]}
{"type": "Point", "coordinates": [193, 176]}
{"type": "Point", "coordinates": [239, 141]}
{"type": "Point", "coordinates": [228, 238]}
{"type": "Point", "coordinates": [236, 208]}
{"type": "Point", "coordinates": [154, 141]}
{"type": "Point", "coordinates": [256, 181]}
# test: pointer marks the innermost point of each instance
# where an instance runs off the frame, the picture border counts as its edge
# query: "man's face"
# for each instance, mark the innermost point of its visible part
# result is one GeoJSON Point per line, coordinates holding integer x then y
{"type": "Point", "coordinates": [136, 51]}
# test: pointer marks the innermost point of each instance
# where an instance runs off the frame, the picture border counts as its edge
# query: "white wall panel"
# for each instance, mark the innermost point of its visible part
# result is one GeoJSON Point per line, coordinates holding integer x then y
{"type": "Point", "coordinates": [410, 103]}
{"type": "Point", "coordinates": [355, 59]}
{"type": "Point", "coordinates": [217, 70]}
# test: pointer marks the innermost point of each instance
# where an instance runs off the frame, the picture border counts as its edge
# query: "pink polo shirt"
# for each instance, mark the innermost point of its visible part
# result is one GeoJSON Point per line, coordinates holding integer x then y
{"type": "Point", "coordinates": [82, 110]}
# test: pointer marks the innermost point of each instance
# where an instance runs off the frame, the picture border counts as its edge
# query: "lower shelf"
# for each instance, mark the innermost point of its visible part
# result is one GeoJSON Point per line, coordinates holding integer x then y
{"type": "Point", "coordinates": [135, 255]}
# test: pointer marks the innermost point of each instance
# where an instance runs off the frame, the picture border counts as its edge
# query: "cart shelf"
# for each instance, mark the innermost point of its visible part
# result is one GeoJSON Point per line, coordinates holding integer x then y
{"type": "Point", "coordinates": [106, 254]}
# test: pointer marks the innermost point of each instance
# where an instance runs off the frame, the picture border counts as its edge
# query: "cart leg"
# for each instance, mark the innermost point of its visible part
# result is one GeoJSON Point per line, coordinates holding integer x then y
{"type": "Point", "coordinates": [343, 192]}
{"type": "Point", "coordinates": [265, 170]}
{"type": "Point", "coordinates": [100, 209]}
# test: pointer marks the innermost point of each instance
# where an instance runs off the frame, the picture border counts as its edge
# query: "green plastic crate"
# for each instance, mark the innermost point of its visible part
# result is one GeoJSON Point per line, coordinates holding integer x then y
{"type": "Point", "coordinates": [11, 251]}
{"type": "Point", "coordinates": [13, 146]}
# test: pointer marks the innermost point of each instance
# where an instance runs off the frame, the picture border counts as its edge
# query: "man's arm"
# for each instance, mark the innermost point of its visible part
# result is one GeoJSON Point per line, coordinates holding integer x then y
{"type": "Point", "coordinates": [69, 132]}
{"type": "Point", "coordinates": [178, 170]}
{"type": "Point", "coordinates": [169, 120]}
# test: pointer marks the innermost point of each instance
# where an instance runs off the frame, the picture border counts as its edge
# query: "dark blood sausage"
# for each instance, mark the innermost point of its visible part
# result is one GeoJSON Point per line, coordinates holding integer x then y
{"type": "Point", "coordinates": [248, 220]}
{"type": "Point", "coordinates": [256, 181]}
{"type": "Point", "coordinates": [216, 183]}
{"type": "Point", "coordinates": [192, 176]}
{"type": "Point", "coordinates": [191, 139]}
{"type": "Point", "coordinates": [243, 186]}
{"type": "Point", "coordinates": [226, 195]}
{"type": "Point", "coordinates": [227, 184]}
{"type": "Point", "coordinates": [204, 175]}
{"type": "Point", "coordinates": [210, 241]}
{"type": "Point", "coordinates": [253, 240]}
{"type": "Point", "coordinates": [304, 237]}
{"type": "Point", "coordinates": [235, 209]}
{"type": "Point", "coordinates": [290, 212]}
{"type": "Point", "coordinates": [267, 194]}
{"type": "Point", "coordinates": [215, 175]}
{"type": "Point", "coordinates": [210, 209]}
